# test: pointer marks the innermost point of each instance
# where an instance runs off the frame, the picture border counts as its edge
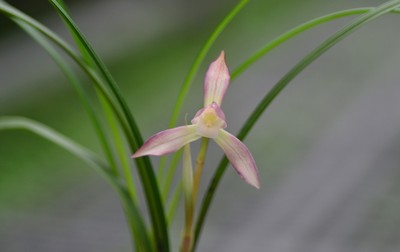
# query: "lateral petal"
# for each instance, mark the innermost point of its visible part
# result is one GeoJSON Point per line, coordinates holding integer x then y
{"type": "Point", "coordinates": [216, 81]}
{"type": "Point", "coordinates": [239, 157]}
{"type": "Point", "coordinates": [168, 141]}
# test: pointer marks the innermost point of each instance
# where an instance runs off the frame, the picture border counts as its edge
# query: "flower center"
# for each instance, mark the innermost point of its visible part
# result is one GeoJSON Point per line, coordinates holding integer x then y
{"type": "Point", "coordinates": [209, 121]}
{"type": "Point", "coordinates": [209, 118]}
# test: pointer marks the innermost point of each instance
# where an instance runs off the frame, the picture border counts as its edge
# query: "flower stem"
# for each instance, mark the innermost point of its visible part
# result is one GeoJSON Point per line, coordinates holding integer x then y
{"type": "Point", "coordinates": [199, 167]}
{"type": "Point", "coordinates": [190, 185]}
{"type": "Point", "coordinates": [187, 183]}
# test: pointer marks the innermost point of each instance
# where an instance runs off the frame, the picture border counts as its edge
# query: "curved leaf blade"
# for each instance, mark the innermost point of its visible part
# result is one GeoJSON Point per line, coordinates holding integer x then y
{"type": "Point", "coordinates": [298, 68]}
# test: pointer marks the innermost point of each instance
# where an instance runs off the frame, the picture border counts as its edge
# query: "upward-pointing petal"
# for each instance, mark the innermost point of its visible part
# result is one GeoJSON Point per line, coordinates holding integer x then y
{"type": "Point", "coordinates": [216, 81]}
{"type": "Point", "coordinates": [168, 141]}
{"type": "Point", "coordinates": [239, 156]}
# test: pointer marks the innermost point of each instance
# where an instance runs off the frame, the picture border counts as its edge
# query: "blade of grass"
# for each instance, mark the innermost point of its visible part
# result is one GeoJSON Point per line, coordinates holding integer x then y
{"type": "Point", "coordinates": [81, 48]}
{"type": "Point", "coordinates": [167, 182]}
{"type": "Point", "coordinates": [199, 60]}
{"type": "Point", "coordinates": [146, 172]}
{"type": "Point", "coordinates": [12, 12]}
{"type": "Point", "coordinates": [298, 68]}
{"type": "Point", "coordinates": [136, 221]}
{"type": "Point", "coordinates": [147, 175]}
{"type": "Point", "coordinates": [296, 31]}
{"type": "Point", "coordinates": [173, 206]}
{"type": "Point", "coordinates": [16, 122]}
{"type": "Point", "coordinates": [84, 97]}
{"type": "Point", "coordinates": [120, 148]}
{"type": "Point", "coordinates": [94, 118]}
{"type": "Point", "coordinates": [108, 113]}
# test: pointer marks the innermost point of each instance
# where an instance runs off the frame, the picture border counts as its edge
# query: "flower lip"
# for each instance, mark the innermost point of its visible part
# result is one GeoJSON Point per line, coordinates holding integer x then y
{"type": "Point", "coordinates": [209, 121]}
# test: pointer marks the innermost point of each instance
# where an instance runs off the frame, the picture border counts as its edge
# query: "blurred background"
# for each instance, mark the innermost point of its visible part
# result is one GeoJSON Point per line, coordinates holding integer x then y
{"type": "Point", "coordinates": [327, 148]}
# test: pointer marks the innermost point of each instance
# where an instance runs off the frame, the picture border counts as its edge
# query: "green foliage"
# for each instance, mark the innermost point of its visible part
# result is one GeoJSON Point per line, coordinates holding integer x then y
{"type": "Point", "coordinates": [116, 127]}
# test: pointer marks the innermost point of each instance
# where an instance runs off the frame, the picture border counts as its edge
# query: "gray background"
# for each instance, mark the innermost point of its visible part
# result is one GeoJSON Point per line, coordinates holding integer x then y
{"type": "Point", "coordinates": [327, 149]}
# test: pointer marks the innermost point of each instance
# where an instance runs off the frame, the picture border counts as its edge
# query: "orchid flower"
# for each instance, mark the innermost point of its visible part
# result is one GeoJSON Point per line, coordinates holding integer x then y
{"type": "Point", "coordinates": [208, 122]}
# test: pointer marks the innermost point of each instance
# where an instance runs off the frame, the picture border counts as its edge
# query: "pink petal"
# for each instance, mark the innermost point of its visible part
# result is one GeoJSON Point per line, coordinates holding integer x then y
{"type": "Point", "coordinates": [168, 141]}
{"type": "Point", "coordinates": [216, 81]}
{"type": "Point", "coordinates": [239, 157]}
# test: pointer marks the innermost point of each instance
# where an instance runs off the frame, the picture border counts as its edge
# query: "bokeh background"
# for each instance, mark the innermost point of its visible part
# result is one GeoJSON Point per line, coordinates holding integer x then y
{"type": "Point", "coordinates": [327, 149]}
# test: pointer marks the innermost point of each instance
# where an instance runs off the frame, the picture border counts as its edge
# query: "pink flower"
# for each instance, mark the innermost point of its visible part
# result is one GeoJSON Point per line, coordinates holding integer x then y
{"type": "Point", "coordinates": [208, 122]}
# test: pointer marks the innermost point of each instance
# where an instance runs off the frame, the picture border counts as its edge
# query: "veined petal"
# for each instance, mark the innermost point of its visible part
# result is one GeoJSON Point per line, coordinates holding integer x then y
{"type": "Point", "coordinates": [216, 81]}
{"type": "Point", "coordinates": [239, 157]}
{"type": "Point", "coordinates": [168, 141]}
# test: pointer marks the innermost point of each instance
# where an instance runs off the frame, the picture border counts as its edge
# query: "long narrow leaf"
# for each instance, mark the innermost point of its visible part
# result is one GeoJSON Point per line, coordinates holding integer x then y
{"type": "Point", "coordinates": [96, 122]}
{"type": "Point", "coordinates": [116, 136]}
{"type": "Point", "coordinates": [14, 122]}
{"type": "Point", "coordinates": [296, 31]}
{"type": "Point", "coordinates": [15, 13]}
{"type": "Point", "coordinates": [199, 59]}
{"type": "Point", "coordinates": [146, 172]}
{"type": "Point", "coordinates": [147, 175]}
{"type": "Point", "coordinates": [82, 50]}
{"type": "Point", "coordinates": [298, 68]}
{"type": "Point", "coordinates": [75, 83]}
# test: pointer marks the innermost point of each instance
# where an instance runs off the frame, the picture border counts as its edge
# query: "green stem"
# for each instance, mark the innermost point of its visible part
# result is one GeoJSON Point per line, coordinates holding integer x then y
{"type": "Point", "coordinates": [191, 188]}
{"type": "Point", "coordinates": [187, 184]}
{"type": "Point", "coordinates": [198, 170]}
{"type": "Point", "coordinates": [298, 68]}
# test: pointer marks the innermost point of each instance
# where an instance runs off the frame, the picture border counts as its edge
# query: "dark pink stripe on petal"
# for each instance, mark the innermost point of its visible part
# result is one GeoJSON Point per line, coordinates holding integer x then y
{"type": "Point", "coordinates": [168, 141]}
{"type": "Point", "coordinates": [239, 157]}
{"type": "Point", "coordinates": [216, 81]}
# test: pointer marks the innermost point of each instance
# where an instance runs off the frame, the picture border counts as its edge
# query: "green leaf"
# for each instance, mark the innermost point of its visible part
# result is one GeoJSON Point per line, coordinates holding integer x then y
{"type": "Point", "coordinates": [128, 125]}
{"type": "Point", "coordinates": [21, 123]}
{"type": "Point", "coordinates": [113, 124]}
{"type": "Point", "coordinates": [66, 69]}
{"type": "Point", "coordinates": [40, 39]}
{"type": "Point", "coordinates": [296, 31]}
{"type": "Point", "coordinates": [15, 122]}
{"type": "Point", "coordinates": [12, 12]}
{"type": "Point", "coordinates": [298, 68]}
{"type": "Point", "coordinates": [199, 60]}
{"type": "Point", "coordinates": [146, 172]}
